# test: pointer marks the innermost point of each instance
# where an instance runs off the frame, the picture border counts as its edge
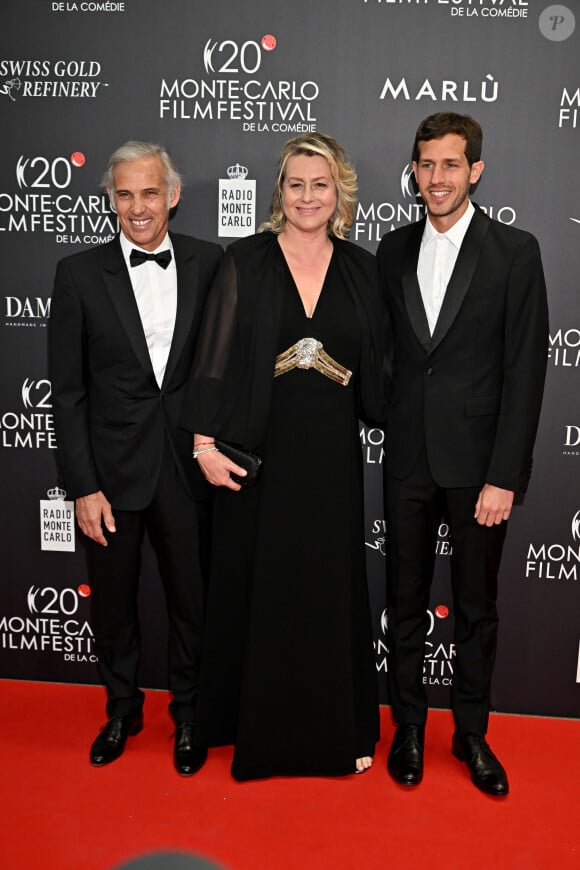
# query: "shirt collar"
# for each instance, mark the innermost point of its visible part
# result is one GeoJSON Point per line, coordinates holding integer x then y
{"type": "Point", "coordinates": [454, 234]}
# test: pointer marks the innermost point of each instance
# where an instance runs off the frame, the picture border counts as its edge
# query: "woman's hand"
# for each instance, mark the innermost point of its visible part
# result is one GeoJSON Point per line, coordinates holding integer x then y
{"type": "Point", "coordinates": [217, 469]}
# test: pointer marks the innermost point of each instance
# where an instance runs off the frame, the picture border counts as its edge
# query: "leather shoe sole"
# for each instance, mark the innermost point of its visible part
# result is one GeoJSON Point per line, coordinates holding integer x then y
{"type": "Point", "coordinates": [487, 772]}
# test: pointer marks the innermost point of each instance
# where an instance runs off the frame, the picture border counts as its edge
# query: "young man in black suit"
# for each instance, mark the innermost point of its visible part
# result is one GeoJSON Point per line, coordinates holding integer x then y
{"type": "Point", "coordinates": [123, 328]}
{"type": "Point", "coordinates": [467, 299]}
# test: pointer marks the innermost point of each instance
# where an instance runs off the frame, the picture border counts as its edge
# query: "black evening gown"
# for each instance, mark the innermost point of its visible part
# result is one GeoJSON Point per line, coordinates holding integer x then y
{"type": "Point", "coordinates": [288, 671]}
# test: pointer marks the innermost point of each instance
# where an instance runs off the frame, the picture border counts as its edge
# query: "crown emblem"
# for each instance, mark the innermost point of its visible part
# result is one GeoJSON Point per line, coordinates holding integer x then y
{"type": "Point", "coordinates": [237, 171]}
{"type": "Point", "coordinates": [56, 493]}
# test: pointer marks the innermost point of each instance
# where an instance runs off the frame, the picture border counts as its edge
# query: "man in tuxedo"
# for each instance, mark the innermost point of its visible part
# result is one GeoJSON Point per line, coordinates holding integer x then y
{"type": "Point", "coordinates": [467, 299]}
{"type": "Point", "coordinates": [122, 335]}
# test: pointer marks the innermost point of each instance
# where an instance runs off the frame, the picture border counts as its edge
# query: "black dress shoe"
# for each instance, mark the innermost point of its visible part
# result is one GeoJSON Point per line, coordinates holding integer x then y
{"type": "Point", "coordinates": [405, 763]}
{"type": "Point", "coordinates": [187, 757]}
{"type": "Point", "coordinates": [110, 743]}
{"type": "Point", "coordinates": [487, 773]}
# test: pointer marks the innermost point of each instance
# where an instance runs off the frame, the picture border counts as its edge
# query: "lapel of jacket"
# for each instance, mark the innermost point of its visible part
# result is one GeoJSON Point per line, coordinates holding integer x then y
{"type": "Point", "coordinates": [411, 289]}
{"type": "Point", "coordinates": [187, 276]}
{"type": "Point", "coordinates": [120, 291]}
{"type": "Point", "coordinates": [461, 277]}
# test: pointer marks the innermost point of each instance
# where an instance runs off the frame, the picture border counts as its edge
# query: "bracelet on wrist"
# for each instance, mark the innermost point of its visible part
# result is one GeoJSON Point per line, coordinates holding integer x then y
{"type": "Point", "coordinates": [209, 448]}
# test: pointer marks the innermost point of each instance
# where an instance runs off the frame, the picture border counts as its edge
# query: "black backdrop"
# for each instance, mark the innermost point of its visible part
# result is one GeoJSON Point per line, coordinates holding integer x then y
{"type": "Point", "coordinates": [223, 86]}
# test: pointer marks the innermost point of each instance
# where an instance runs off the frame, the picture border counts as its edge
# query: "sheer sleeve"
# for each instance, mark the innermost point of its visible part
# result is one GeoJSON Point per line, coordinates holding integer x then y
{"type": "Point", "coordinates": [207, 402]}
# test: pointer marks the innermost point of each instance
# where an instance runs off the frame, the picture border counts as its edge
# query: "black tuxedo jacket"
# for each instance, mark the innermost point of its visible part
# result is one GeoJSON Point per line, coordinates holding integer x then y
{"type": "Point", "coordinates": [111, 417]}
{"type": "Point", "coordinates": [471, 392]}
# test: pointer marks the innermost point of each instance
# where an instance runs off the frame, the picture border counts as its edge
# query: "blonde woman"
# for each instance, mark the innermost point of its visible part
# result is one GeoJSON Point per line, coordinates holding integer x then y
{"type": "Point", "coordinates": [290, 356]}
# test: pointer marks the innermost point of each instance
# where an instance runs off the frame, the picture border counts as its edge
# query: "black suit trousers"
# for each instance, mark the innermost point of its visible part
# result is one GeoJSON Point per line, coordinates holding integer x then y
{"type": "Point", "coordinates": [177, 528]}
{"type": "Point", "coordinates": [414, 509]}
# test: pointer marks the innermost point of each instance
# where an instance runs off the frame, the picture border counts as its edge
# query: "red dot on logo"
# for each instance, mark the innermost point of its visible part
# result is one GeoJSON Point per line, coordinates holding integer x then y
{"type": "Point", "coordinates": [269, 42]}
{"type": "Point", "coordinates": [442, 611]}
{"type": "Point", "coordinates": [84, 590]}
{"type": "Point", "coordinates": [77, 158]}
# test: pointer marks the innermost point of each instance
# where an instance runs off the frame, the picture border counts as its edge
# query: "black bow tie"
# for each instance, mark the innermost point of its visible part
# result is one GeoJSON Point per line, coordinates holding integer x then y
{"type": "Point", "coordinates": [163, 258]}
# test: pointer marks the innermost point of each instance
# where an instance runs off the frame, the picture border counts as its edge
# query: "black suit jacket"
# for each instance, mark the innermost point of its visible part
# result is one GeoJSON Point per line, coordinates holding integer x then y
{"type": "Point", "coordinates": [471, 392]}
{"type": "Point", "coordinates": [111, 417]}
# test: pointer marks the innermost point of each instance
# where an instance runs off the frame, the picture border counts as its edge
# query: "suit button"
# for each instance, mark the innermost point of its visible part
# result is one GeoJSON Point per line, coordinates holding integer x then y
{"type": "Point", "coordinates": [429, 371]}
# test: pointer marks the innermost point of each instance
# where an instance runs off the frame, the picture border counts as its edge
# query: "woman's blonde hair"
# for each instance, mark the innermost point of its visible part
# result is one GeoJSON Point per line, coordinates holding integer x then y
{"type": "Point", "coordinates": [342, 172]}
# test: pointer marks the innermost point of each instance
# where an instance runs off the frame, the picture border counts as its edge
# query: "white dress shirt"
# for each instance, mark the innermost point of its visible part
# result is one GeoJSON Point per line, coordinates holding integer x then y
{"type": "Point", "coordinates": [155, 292]}
{"type": "Point", "coordinates": [437, 258]}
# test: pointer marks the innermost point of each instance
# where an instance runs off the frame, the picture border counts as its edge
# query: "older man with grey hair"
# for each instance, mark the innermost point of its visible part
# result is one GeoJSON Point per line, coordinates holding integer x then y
{"type": "Point", "coordinates": [124, 322]}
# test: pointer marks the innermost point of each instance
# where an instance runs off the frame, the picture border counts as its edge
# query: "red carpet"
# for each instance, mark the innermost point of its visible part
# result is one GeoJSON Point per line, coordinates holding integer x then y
{"type": "Point", "coordinates": [57, 812]}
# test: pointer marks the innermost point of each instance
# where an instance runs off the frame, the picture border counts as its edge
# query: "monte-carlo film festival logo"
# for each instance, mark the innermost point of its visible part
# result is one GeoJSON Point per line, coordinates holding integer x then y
{"type": "Point", "coordinates": [48, 198]}
{"type": "Point", "coordinates": [556, 562]}
{"type": "Point", "coordinates": [439, 653]}
{"type": "Point", "coordinates": [33, 427]}
{"type": "Point", "coordinates": [235, 84]}
{"type": "Point", "coordinates": [52, 620]}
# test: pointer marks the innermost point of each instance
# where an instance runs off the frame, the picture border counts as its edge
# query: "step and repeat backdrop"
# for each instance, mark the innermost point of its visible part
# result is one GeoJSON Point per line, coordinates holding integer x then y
{"type": "Point", "coordinates": [223, 86]}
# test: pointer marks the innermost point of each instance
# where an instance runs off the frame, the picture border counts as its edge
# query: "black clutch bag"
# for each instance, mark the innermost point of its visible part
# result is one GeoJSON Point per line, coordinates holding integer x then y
{"type": "Point", "coordinates": [251, 462]}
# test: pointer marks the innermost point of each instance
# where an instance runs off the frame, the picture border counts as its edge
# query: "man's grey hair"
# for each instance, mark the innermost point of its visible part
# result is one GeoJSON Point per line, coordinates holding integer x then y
{"type": "Point", "coordinates": [136, 151]}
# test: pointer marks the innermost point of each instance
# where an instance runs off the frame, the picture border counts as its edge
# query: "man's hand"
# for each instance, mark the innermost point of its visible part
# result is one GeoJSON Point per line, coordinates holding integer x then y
{"type": "Point", "coordinates": [92, 511]}
{"type": "Point", "coordinates": [493, 505]}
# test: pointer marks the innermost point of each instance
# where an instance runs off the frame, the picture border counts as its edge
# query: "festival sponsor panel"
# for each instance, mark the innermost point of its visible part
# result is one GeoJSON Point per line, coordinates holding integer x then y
{"type": "Point", "coordinates": [47, 632]}
{"type": "Point", "coordinates": [538, 607]}
{"type": "Point", "coordinates": [48, 195]}
{"type": "Point", "coordinates": [256, 84]}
